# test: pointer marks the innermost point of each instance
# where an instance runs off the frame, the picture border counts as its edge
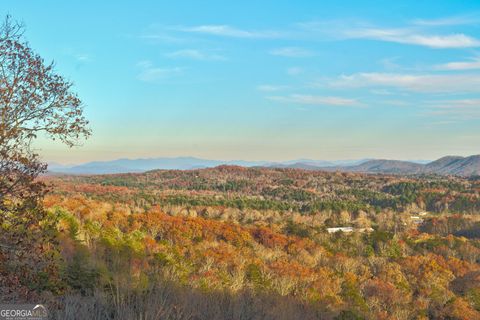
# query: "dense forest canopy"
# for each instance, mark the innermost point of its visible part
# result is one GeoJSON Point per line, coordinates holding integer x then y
{"type": "Point", "coordinates": [259, 233]}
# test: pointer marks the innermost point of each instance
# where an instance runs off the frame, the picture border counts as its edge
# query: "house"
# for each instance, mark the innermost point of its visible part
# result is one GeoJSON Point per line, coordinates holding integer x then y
{"type": "Point", "coordinates": [348, 229]}
{"type": "Point", "coordinates": [337, 229]}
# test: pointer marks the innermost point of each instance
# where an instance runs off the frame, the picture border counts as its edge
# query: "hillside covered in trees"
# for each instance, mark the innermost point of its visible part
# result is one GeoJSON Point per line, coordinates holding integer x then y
{"type": "Point", "coordinates": [233, 242]}
{"type": "Point", "coordinates": [300, 191]}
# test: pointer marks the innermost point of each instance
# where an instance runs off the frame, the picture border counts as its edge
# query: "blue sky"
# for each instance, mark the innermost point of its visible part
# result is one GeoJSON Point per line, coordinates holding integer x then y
{"type": "Point", "coordinates": [265, 80]}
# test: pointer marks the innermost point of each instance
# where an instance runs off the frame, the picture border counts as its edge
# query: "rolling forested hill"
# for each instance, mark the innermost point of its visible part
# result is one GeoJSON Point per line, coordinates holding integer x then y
{"type": "Point", "coordinates": [203, 244]}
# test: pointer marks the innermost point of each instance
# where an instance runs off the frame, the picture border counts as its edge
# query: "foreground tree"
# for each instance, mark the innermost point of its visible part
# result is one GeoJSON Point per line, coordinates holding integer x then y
{"type": "Point", "coordinates": [33, 100]}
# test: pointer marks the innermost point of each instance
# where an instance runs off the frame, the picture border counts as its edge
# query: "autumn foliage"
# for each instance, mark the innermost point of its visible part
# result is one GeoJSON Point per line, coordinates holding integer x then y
{"type": "Point", "coordinates": [391, 273]}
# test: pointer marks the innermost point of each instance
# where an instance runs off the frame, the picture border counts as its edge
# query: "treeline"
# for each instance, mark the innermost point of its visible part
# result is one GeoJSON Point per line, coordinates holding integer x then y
{"type": "Point", "coordinates": [264, 241]}
{"type": "Point", "coordinates": [283, 190]}
{"type": "Point", "coordinates": [120, 259]}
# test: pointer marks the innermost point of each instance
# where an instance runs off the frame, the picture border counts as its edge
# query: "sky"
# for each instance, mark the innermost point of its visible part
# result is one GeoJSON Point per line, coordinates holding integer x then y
{"type": "Point", "coordinates": [264, 80]}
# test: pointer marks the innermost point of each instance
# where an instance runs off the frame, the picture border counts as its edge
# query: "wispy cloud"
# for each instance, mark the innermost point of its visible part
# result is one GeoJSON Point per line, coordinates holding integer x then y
{"type": "Point", "coordinates": [463, 109]}
{"type": "Point", "coordinates": [412, 34]}
{"type": "Point", "coordinates": [162, 37]}
{"type": "Point", "coordinates": [195, 55]}
{"type": "Point", "coordinates": [292, 52]}
{"type": "Point", "coordinates": [447, 21]}
{"type": "Point", "coordinates": [396, 103]}
{"type": "Point", "coordinates": [433, 83]}
{"type": "Point", "coordinates": [151, 73]}
{"type": "Point", "coordinates": [414, 37]}
{"type": "Point", "coordinates": [460, 65]}
{"type": "Point", "coordinates": [315, 100]}
{"type": "Point", "coordinates": [442, 122]}
{"type": "Point", "coordinates": [228, 31]}
{"type": "Point", "coordinates": [381, 92]}
{"type": "Point", "coordinates": [458, 103]}
{"type": "Point", "coordinates": [161, 34]}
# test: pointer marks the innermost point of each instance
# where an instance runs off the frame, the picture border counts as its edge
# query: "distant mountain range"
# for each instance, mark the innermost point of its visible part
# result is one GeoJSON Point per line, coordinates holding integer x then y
{"type": "Point", "coordinates": [183, 163]}
{"type": "Point", "coordinates": [450, 165]}
{"type": "Point", "coordinates": [142, 165]}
